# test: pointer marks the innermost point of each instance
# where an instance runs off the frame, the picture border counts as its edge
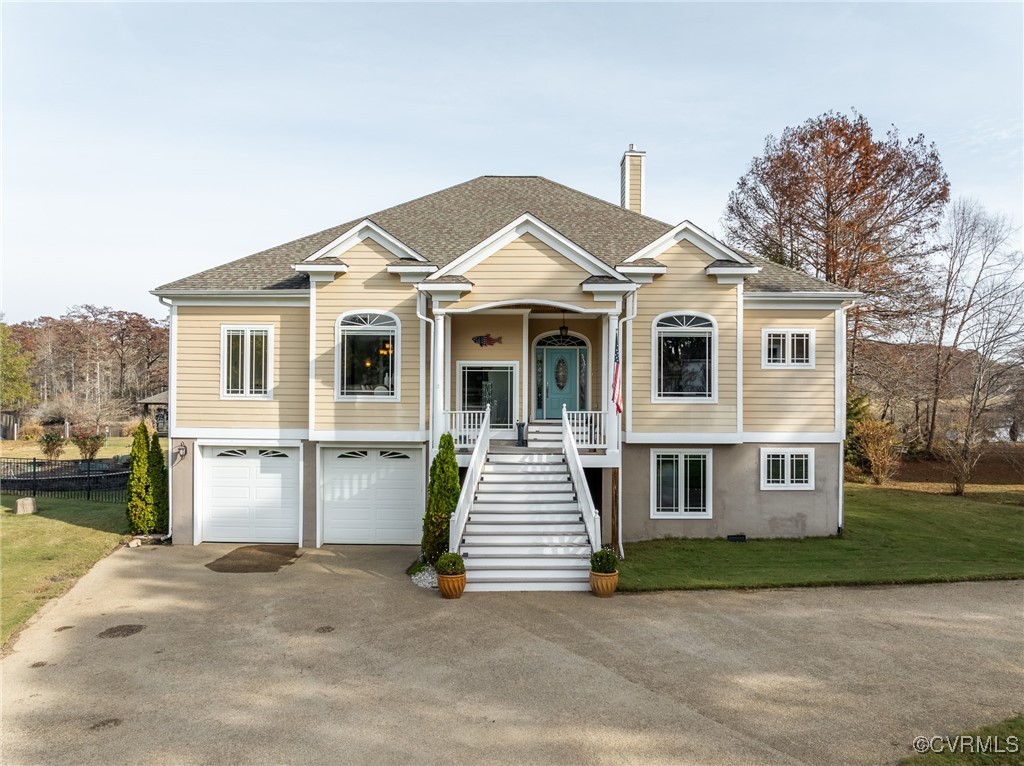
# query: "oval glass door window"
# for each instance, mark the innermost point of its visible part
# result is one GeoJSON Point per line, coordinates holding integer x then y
{"type": "Point", "coordinates": [561, 373]}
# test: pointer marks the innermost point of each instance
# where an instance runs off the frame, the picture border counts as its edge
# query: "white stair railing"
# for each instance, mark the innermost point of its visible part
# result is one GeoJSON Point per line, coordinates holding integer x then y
{"type": "Point", "coordinates": [464, 426]}
{"type": "Point", "coordinates": [591, 520]}
{"type": "Point", "coordinates": [457, 525]}
{"type": "Point", "coordinates": [589, 428]}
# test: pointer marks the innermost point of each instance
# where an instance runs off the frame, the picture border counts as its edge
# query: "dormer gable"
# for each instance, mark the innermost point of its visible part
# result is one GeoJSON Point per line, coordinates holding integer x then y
{"type": "Point", "coordinates": [726, 264]}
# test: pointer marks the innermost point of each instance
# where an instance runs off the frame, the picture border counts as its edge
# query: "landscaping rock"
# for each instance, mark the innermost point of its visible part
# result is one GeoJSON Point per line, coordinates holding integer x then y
{"type": "Point", "coordinates": [25, 505]}
{"type": "Point", "coordinates": [134, 543]}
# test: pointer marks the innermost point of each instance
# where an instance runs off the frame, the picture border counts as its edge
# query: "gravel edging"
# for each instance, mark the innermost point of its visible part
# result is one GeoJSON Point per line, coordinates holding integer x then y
{"type": "Point", "coordinates": [426, 577]}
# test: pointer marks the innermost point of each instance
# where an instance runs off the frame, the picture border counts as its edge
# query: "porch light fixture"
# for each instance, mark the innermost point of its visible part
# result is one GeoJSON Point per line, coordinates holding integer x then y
{"type": "Point", "coordinates": [563, 331]}
{"type": "Point", "coordinates": [181, 450]}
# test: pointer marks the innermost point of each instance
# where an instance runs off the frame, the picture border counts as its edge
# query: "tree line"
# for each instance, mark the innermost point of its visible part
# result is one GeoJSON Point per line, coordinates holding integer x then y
{"type": "Point", "coordinates": [90, 365]}
{"type": "Point", "coordinates": [937, 343]}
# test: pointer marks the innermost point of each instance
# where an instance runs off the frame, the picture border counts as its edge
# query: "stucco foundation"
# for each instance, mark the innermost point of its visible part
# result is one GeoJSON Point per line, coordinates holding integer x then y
{"type": "Point", "coordinates": [739, 505]}
{"type": "Point", "coordinates": [182, 494]}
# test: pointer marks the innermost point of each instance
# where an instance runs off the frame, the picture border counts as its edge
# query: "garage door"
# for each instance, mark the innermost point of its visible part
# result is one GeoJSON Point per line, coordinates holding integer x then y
{"type": "Point", "coordinates": [373, 496]}
{"type": "Point", "coordinates": [251, 495]}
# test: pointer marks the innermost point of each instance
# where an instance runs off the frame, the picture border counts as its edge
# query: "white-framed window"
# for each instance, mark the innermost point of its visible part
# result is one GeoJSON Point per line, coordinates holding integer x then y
{"type": "Point", "coordinates": [681, 484]}
{"type": "Point", "coordinates": [490, 384]}
{"type": "Point", "coordinates": [246, 361]}
{"type": "Point", "coordinates": [685, 358]}
{"type": "Point", "coordinates": [787, 468]}
{"type": "Point", "coordinates": [785, 347]}
{"type": "Point", "coordinates": [367, 358]}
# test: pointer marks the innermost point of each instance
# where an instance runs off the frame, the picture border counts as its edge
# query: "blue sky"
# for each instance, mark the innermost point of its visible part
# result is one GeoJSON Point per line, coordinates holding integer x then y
{"type": "Point", "coordinates": [145, 142]}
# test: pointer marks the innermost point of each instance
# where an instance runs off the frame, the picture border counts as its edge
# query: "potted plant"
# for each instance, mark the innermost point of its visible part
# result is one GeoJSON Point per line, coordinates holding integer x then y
{"type": "Point", "coordinates": [451, 575]}
{"type": "Point", "coordinates": [604, 577]}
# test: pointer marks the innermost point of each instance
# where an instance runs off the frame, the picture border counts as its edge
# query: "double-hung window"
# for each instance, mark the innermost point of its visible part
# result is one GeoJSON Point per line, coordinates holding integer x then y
{"type": "Point", "coordinates": [247, 361]}
{"type": "Point", "coordinates": [787, 468]}
{"type": "Point", "coordinates": [368, 361]}
{"type": "Point", "coordinates": [681, 484]}
{"type": "Point", "coordinates": [787, 348]}
{"type": "Point", "coordinates": [684, 358]}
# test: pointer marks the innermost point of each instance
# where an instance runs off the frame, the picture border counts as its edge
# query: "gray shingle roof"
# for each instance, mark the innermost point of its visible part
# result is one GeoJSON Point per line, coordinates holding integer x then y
{"type": "Point", "coordinates": [444, 225]}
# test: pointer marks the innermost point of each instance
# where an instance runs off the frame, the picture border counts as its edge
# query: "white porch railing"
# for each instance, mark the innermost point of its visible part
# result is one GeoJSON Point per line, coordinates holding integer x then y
{"type": "Point", "coordinates": [457, 524]}
{"type": "Point", "coordinates": [579, 481]}
{"type": "Point", "coordinates": [464, 426]}
{"type": "Point", "coordinates": [589, 427]}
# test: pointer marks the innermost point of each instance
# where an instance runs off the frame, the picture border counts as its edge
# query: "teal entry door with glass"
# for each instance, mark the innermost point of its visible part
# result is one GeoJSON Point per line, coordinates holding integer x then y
{"type": "Point", "coordinates": [561, 376]}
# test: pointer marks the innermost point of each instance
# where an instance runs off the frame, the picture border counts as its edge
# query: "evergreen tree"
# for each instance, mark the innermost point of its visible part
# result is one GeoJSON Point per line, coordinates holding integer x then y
{"type": "Point", "coordinates": [442, 499]}
{"type": "Point", "coordinates": [158, 485]}
{"type": "Point", "coordinates": [140, 492]}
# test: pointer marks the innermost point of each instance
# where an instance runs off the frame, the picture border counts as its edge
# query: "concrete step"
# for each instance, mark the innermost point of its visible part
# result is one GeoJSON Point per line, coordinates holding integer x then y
{"type": "Point", "coordinates": [484, 547]}
{"type": "Point", "coordinates": [506, 526]}
{"type": "Point", "coordinates": [489, 507]}
{"type": "Point", "coordinates": [524, 517]}
{"type": "Point", "coordinates": [523, 495]}
{"type": "Point", "coordinates": [533, 469]}
{"type": "Point", "coordinates": [521, 585]}
{"type": "Point", "coordinates": [534, 479]}
{"type": "Point", "coordinates": [490, 564]}
{"type": "Point", "coordinates": [525, 457]}
{"type": "Point", "coordinates": [521, 537]}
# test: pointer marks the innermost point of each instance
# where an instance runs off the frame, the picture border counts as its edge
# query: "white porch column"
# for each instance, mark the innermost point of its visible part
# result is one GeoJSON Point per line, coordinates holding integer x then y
{"type": "Point", "coordinates": [437, 378]}
{"type": "Point", "coordinates": [611, 323]}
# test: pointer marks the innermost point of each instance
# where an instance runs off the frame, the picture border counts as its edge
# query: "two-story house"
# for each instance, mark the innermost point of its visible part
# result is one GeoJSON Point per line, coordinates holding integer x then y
{"type": "Point", "coordinates": [664, 383]}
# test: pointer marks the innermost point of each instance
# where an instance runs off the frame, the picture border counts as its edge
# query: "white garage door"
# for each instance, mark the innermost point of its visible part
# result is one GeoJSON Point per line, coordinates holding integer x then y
{"type": "Point", "coordinates": [373, 496]}
{"type": "Point", "coordinates": [251, 495]}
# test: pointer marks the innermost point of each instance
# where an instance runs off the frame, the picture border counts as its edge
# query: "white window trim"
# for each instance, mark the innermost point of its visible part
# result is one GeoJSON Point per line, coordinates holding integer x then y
{"type": "Point", "coordinates": [477, 364]}
{"type": "Point", "coordinates": [788, 452]}
{"type": "Point", "coordinates": [224, 329]}
{"type": "Point", "coordinates": [681, 453]}
{"type": "Point", "coordinates": [656, 396]}
{"type": "Point", "coordinates": [396, 366]}
{"type": "Point", "coordinates": [787, 364]}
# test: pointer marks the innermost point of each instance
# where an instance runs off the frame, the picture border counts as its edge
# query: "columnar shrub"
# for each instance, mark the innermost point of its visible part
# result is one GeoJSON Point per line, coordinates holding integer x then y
{"type": "Point", "coordinates": [442, 499]}
{"type": "Point", "coordinates": [52, 444]}
{"type": "Point", "coordinates": [158, 485]}
{"type": "Point", "coordinates": [88, 443]}
{"type": "Point", "coordinates": [141, 518]}
{"type": "Point", "coordinates": [881, 444]}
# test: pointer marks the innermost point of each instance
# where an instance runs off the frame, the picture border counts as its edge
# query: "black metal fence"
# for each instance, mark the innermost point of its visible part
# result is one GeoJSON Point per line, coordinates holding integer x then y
{"type": "Point", "coordinates": [105, 480]}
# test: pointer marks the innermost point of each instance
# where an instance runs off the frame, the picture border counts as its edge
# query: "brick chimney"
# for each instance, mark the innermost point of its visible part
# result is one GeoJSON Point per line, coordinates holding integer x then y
{"type": "Point", "coordinates": [632, 180]}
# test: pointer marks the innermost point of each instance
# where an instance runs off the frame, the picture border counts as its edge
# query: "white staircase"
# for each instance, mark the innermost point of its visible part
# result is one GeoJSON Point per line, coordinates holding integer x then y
{"type": "Point", "coordinates": [525, 530]}
{"type": "Point", "coordinates": [544, 434]}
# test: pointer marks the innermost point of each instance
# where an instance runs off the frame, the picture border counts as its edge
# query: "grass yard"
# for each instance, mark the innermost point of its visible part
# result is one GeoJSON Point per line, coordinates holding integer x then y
{"type": "Point", "coordinates": [116, 445]}
{"type": "Point", "coordinates": [889, 536]}
{"type": "Point", "coordinates": [1006, 736]}
{"type": "Point", "coordinates": [44, 554]}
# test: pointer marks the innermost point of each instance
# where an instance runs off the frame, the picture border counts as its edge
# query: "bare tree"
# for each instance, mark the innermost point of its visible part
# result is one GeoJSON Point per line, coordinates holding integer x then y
{"type": "Point", "coordinates": [977, 277]}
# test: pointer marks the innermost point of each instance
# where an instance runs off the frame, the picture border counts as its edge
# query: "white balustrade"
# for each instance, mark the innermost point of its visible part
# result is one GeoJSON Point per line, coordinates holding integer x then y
{"type": "Point", "coordinates": [464, 426]}
{"type": "Point", "coordinates": [457, 525]}
{"type": "Point", "coordinates": [579, 480]}
{"type": "Point", "coordinates": [589, 427]}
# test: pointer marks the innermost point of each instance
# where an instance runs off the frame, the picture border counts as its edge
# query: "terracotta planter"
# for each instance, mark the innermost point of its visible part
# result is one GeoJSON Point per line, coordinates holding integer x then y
{"type": "Point", "coordinates": [451, 586]}
{"type": "Point", "coordinates": [604, 585]}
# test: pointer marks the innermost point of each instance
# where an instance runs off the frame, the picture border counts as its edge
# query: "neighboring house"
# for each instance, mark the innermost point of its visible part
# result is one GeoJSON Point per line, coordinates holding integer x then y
{"type": "Point", "coordinates": [311, 382]}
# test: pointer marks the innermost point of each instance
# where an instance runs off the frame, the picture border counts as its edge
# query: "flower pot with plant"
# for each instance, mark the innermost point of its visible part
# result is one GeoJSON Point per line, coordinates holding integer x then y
{"type": "Point", "coordinates": [604, 576]}
{"type": "Point", "coordinates": [451, 575]}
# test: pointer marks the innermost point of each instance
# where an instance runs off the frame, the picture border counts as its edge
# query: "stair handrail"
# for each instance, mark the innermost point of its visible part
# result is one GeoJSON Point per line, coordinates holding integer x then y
{"type": "Point", "coordinates": [591, 520]}
{"type": "Point", "coordinates": [457, 526]}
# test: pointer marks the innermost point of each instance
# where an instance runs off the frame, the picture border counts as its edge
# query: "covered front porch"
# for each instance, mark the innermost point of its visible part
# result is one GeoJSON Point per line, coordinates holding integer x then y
{"type": "Point", "coordinates": [540, 370]}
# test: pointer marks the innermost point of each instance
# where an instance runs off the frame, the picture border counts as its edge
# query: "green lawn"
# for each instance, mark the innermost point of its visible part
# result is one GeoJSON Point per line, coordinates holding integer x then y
{"type": "Point", "coordinates": [889, 536]}
{"type": "Point", "coordinates": [43, 555]}
{"type": "Point", "coordinates": [116, 445]}
{"type": "Point", "coordinates": [1007, 736]}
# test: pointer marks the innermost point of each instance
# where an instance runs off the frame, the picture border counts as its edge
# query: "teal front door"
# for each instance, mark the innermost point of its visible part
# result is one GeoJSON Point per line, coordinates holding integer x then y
{"type": "Point", "coordinates": [561, 381]}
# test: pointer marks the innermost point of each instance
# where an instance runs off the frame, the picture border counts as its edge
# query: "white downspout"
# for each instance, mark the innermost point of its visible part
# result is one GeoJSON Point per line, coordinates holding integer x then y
{"type": "Point", "coordinates": [423, 379]}
{"type": "Point", "coordinates": [628, 399]}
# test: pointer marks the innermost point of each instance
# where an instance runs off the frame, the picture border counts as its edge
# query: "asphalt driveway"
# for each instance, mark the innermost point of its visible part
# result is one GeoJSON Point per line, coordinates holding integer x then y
{"type": "Point", "coordinates": [338, 658]}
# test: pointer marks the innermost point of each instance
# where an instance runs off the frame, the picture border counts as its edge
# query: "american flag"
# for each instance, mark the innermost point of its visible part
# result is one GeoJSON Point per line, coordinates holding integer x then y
{"type": "Point", "coordinates": [617, 378]}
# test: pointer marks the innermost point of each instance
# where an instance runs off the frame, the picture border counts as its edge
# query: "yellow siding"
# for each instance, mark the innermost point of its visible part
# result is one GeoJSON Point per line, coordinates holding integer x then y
{"type": "Point", "coordinates": [508, 327]}
{"type": "Point", "coordinates": [684, 288]}
{"type": "Point", "coordinates": [197, 376]}
{"type": "Point", "coordinates": [789, 400]}
{"type": "Point", "coordinates": [366, 286]}
{"type": "Point", "coordinates": [526, 269]}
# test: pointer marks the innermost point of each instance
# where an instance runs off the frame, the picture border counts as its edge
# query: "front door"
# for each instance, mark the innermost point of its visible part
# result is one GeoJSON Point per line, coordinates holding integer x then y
{"type": "Point", "coordinates": [561, 381]}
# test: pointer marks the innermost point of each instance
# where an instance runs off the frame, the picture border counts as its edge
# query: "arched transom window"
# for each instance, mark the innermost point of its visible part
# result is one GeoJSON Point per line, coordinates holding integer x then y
{"type": "Point", "coordinates": [684, 347]}
{"type": "Point", "coordinates": [367, 355]}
